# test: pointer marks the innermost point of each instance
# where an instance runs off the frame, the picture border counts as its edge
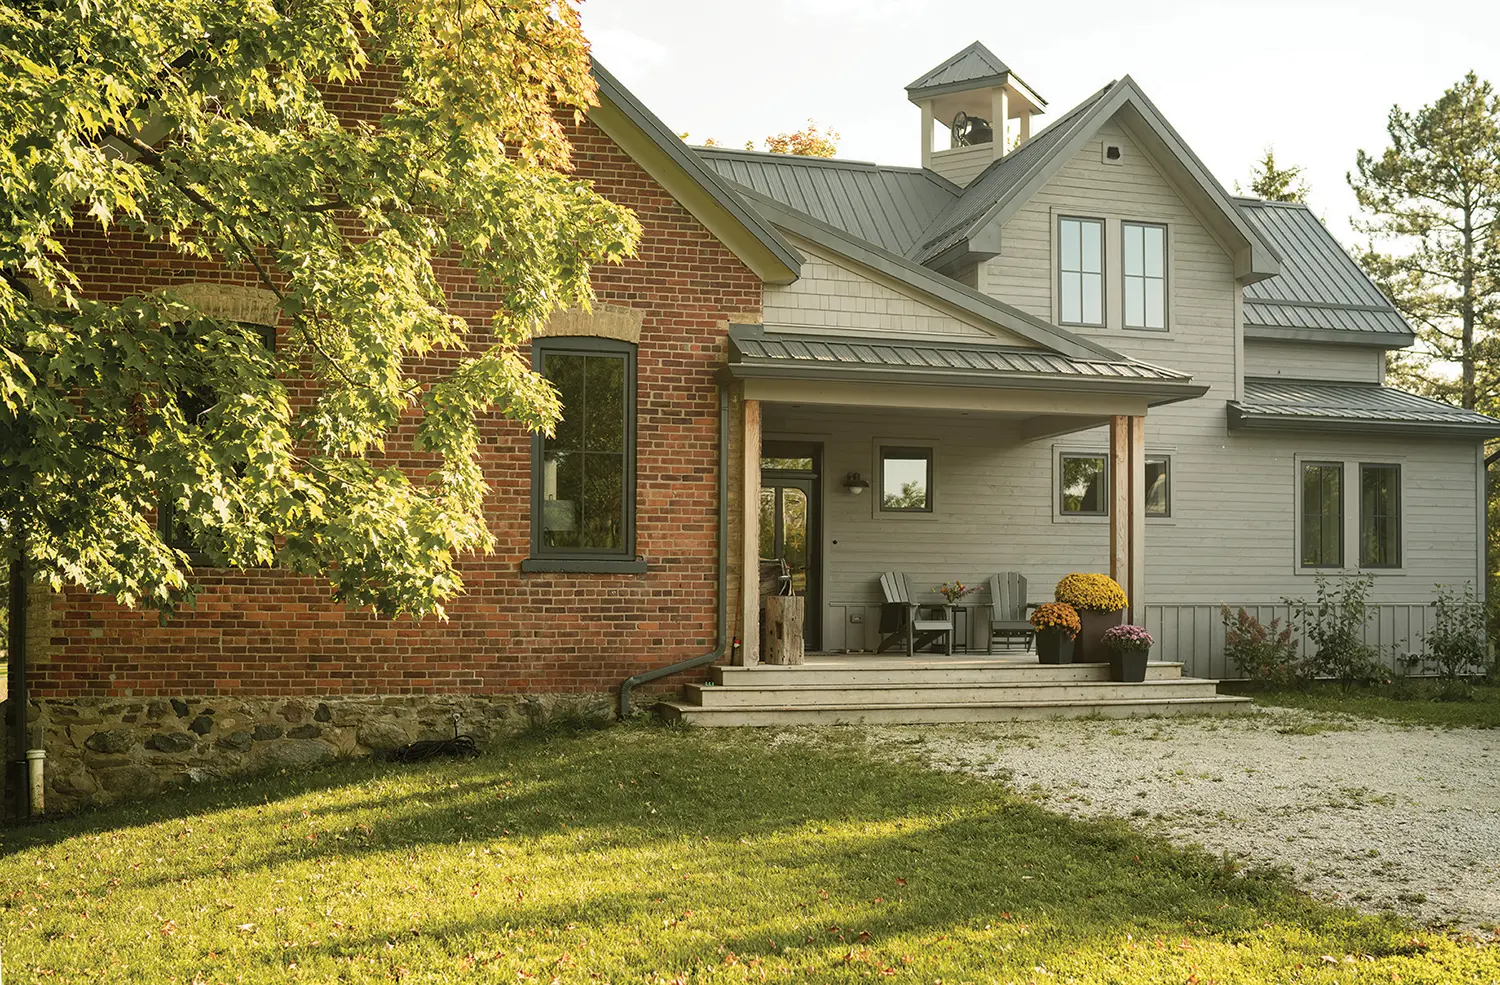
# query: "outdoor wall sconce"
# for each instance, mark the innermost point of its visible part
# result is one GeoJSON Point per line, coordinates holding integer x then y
{"type": "Point", "coordinates": [855, 484]}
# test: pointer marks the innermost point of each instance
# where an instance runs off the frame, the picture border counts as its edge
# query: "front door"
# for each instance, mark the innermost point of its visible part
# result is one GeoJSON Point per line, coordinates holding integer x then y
{"type": "Point", "coordinates": [789, 509]}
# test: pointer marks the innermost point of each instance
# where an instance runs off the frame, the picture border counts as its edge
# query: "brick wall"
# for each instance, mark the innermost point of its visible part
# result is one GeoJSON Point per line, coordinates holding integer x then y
{"type": "Point", "coordinates": [263, 633]}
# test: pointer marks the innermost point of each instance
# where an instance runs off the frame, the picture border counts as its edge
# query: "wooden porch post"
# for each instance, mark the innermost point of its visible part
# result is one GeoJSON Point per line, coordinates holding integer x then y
{"type": "Point", "coordinates": [750, 552]}
{"type": "Point", "coordinates": [1127, 508]}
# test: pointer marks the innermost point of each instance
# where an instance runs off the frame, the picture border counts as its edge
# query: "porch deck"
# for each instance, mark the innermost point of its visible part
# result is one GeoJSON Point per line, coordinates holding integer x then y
{"type": "Point", "coordinates": [865, 688]}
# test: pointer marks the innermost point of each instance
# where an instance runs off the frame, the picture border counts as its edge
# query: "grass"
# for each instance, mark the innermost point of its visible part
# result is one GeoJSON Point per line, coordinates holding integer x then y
{"type": "Point", "coordinates": [1417, 706]}
{"type": "Point", "coordinates": [654, 855]}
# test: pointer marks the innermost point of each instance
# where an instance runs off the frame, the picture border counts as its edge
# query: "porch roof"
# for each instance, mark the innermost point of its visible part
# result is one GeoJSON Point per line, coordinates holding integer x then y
{"type": "Point", "coordinates": [1298, 405]}
{"type": "Point", "coordinates": [758, 354]}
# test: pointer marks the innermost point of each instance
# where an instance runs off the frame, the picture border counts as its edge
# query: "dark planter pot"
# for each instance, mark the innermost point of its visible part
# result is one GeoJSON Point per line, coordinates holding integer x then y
{"type": "Point", "coordinates": [1087, 649]}
{"type": "Point", "coordinates": [1054, 647]}
{"type": "Point", "coordinates": [1128, 666]}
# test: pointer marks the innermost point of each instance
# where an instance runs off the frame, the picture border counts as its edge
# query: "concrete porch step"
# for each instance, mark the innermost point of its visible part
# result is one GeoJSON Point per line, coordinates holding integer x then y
{"type": "Point", "coordinates": [788, 693]}
{"type": "Point", "coordinates": [905, 714]}
{"type": "Point", "coordinates": [860, 671]}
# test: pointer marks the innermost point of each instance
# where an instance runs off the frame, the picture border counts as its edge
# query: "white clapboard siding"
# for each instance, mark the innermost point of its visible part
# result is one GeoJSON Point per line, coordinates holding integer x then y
{"type": "Point", "coordinates": [1312, 361]}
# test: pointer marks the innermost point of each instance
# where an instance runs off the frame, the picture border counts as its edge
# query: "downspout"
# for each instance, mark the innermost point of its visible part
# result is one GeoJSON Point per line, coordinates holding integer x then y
{"type": "Point", "coordinates": [718, 651]}
{"type": "Point", "coordinates": [18, 780]}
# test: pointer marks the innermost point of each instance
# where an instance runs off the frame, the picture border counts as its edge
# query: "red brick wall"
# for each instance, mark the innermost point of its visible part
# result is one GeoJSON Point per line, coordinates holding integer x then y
{"type": "Point", "coordinates": [265, 633]}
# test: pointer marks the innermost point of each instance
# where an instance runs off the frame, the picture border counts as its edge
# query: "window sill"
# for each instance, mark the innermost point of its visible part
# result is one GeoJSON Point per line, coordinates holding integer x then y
{"type": "Point", "coordinates": [584, 566]}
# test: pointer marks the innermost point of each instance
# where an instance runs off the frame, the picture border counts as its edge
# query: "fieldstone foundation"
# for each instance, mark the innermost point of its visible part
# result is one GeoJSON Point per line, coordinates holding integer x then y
{"type": "Point", "coordinates": [104, 750]}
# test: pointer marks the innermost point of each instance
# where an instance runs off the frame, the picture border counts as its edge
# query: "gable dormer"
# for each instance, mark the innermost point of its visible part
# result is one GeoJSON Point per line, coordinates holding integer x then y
{"type": "Point", "coordinates": [974, 111]}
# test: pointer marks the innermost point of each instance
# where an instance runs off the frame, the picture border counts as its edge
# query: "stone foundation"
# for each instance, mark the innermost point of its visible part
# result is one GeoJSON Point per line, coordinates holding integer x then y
{"type": "Point", "coordinates": [104, 750]}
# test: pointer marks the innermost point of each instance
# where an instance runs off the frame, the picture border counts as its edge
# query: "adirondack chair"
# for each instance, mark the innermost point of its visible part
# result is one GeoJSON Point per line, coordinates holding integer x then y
{"type": "Point", "coordinates": [902, 620]}
{"type": "Point", "coordinates": [1008, 611]}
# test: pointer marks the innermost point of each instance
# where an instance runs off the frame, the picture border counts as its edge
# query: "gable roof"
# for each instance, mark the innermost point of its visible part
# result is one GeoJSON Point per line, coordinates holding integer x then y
{"type": "Point", "coordinates": [1321, 294]}
{"type": "Point", "coordinates": [971, 68]}
{"type": "Point", "coordinates": [985, 206]}
{"type": "Point", "coordinates": [935, 286]}
{"type": "Point", "coordinates": [887, 206]}
{"type": "Point", "coordinates": [664, 156]}
{"type": "Point", "coordinates": [1309, 405]}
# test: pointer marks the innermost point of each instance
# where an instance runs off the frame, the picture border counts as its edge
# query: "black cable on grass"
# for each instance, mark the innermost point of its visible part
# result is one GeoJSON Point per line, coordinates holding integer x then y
{"type": "Point", "coordinates": [460, 747]}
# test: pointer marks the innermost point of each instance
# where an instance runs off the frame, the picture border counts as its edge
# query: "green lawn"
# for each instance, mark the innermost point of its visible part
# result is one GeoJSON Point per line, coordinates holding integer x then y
{"type": "Point", "coordinates": [653, 855]}
{"type": "Point", "coordinates": [1482, 712]}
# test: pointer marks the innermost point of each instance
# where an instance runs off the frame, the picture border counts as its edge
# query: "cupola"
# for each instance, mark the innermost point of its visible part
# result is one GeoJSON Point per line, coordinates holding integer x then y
{"type": "Point", "coordinates": [974, 111]}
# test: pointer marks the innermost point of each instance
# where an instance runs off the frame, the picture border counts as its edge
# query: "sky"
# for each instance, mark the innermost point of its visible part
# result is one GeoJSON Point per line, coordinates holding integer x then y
{"type": "Point", "coordinates": [1314, 79]}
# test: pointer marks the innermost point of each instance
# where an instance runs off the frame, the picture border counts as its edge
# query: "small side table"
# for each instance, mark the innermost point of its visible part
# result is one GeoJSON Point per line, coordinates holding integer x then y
{"type": "Point", "coordinates": [964, 638]}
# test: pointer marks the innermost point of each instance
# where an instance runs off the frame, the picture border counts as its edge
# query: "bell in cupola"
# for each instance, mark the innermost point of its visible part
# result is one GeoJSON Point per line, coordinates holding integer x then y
{"type": "Point", "coordinates": [985, 109]}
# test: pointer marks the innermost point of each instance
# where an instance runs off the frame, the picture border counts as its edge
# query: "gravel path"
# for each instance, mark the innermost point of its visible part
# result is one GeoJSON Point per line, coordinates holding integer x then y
{"type": "Point", "coordinates": [1381, 816]}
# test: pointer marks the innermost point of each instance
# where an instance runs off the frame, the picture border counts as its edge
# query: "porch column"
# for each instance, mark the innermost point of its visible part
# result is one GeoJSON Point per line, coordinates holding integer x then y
{"type": "Point", "coordinates": [750, 548]}
{"type": "Point", "coordinates": [1127, 509]}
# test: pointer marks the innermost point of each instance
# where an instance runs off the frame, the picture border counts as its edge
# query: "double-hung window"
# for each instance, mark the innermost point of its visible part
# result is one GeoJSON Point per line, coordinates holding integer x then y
{"type": "Point", "coordinates": [1080, 274]}
{"type": "Point", "coordinates": [1144, 267]}
{"type": "Point", "coordinates": [583, 477]}
{"type": "Point", "coordinates": [1322, 515]}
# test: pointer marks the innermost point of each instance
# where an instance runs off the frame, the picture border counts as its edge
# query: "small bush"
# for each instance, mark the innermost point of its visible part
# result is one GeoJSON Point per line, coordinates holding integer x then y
{"type": "Point", "coordinates": [1261, 653]}
{"type": "Point", "coordinates": [1456, 645]}
{"type": "Point", "coordinates": [1334, 623]}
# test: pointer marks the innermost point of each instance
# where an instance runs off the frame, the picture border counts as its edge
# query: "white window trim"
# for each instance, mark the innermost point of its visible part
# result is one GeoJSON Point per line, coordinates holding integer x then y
{"type": "Point", "coordinates": [1351, 464]}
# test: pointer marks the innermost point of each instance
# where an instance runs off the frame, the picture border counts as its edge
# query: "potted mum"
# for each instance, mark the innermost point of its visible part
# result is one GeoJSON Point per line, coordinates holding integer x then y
{"type": "Point", "coordinates": [1128, 647]}
{"type": "Point", "coordinates": [1056, 627]}
{"type": "Point", "coordinates": [1100, 602]}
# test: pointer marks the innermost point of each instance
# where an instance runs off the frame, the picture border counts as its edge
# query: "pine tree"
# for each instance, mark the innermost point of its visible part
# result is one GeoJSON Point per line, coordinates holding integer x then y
{"type": "Point", "coordinates": [1276, 184]}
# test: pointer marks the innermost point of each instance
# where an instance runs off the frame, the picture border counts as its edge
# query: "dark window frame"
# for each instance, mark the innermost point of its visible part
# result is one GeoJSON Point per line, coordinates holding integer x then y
{"type": "Point", "coordinates": [1398, 533]}
{"type": "Point", "coordinates": [1062, 504]}
{"type": "Point", "coordinates": [1166, 283]}
{"type": "Point", "coordinates": [1103, 273]}
{"type": "Point", "coordinates": [908, 452]}
{"type": "Point", "coordinates": [576, 559]}
{"type": "Point", "coordinates": [1302, 515]}
{"type": "Point", "coordinates": [1166, 460]}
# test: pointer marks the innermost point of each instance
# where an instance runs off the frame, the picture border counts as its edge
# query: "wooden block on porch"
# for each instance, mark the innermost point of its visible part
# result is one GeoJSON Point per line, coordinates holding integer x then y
{"type": "Point", "coordinates": [781, 632]}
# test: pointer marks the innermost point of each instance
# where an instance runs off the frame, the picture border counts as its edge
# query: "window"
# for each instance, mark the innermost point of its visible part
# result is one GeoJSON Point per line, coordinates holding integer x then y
{"type": "Point", "coordinates": [1158, 485]}
{"type": "Point", "coordinates": [583, 478]}
{"type": "Point", "coordinates": [194, 405]}
{"type": "Point", "coordinates": [1080, 258]}
{"type": "Point", "coordinates": [1144, 264]}
{"type": "Point", "coordinates": [1322, 515]}
{"type": "Point", "coordinates": [1084, 481]}
{"type": "Point", "coordinates": [905, 480]}
{"type": "Point", "coordinates": [1380, 516]}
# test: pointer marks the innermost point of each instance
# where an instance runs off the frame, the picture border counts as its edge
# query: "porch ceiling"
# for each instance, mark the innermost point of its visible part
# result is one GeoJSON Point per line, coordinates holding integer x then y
{"type": "Point", "coordinates": [916, 373]}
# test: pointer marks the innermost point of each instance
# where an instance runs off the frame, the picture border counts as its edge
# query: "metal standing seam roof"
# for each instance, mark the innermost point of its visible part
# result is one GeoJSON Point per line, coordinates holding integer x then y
{"type": "Point", "coordinates": [994, 181]}
{"type": "Point", "coordinates": [974, 64]}
{"type": "Point", "coordinates": [1350, 406]}
{"type": "Point", "coordinates": [887, 206]}
{"type": "Point", "coordinates": [752, 345]}
{"type": "Point", "coordinates": [1320, 287]}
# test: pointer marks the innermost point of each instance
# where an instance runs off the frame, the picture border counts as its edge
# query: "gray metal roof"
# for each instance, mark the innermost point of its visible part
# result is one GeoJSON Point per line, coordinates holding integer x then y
{"type": "Point", "coordinates": [1294, 404]}
{"type": "Point", "coordinates": [994, 181]}
{"type": "Point", "coordinates": [755, 353]}
{"type": "Point", "coordinates": [1320, 288]}
{"type": "Point", "coordinates": [886, 206]}
{"type": "Point", "coordinates": [973, 65]}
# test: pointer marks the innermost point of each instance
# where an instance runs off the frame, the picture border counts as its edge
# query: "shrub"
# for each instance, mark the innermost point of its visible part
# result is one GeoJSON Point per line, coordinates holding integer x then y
{"type": "Point", "coordinates": [1122, 638]}
{"type": "Point", "coordinates": [1058, 616]}
{"type": "Point", "coordinates": [1265, 654]}
{"type": "Point", "coordinates": [1334, 623]}
{"type": "Point", "coordinates": [1096, 593]}
{"type": "Point", "coordinates": [1456, 645]}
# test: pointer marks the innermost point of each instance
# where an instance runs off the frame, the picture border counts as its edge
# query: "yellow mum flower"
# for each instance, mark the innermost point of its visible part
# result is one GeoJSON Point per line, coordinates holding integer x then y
{"type": "Point", "coordinates": [1095, 593]}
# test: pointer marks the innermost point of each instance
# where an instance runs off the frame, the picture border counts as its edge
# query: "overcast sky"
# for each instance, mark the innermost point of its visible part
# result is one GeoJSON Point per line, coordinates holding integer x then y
{"type": "Point", "coordinates": [1315, 78]}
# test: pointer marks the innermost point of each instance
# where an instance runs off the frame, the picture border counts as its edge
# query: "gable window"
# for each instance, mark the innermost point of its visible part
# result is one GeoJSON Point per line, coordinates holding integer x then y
{"type": "Point", "coordinates": [1144, 264]}
{"type": "Point", "coordinates": [1080, 257]}
{"type": "Point", "coordinates": [1379, 516]}
{"type": "Point", "coordinates": [1158, 485]}
{"type": "Point", "coordinates": [905, 480]}
{"type": "Point", "coordinates": [1084, 485]}
{"type": "Point", "coordinates": [1322, 515]}
{"type": "Point", "coordinates": [583, 478]}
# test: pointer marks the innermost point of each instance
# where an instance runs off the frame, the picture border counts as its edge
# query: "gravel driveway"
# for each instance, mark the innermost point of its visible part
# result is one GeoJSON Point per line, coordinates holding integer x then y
{"type": "Point", "coordinates": [1382, 816]}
